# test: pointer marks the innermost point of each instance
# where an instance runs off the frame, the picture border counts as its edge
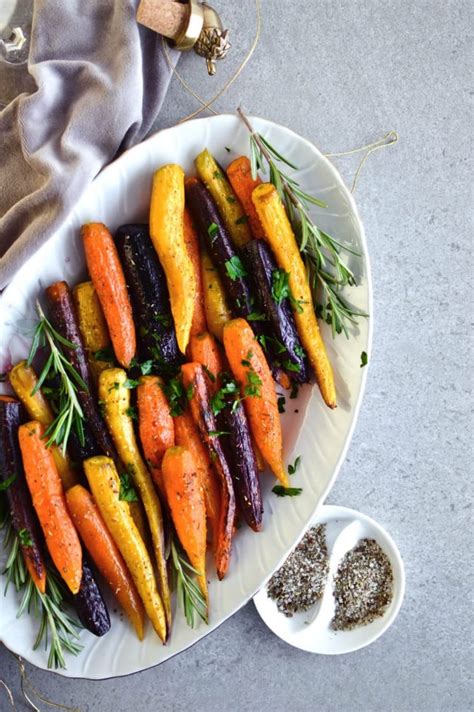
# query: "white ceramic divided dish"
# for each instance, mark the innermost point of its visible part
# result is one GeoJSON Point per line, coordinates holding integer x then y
{"type": "Point", "coordinates": [120, 194]}
{"type": "Point", "coordinates": [310, 630]}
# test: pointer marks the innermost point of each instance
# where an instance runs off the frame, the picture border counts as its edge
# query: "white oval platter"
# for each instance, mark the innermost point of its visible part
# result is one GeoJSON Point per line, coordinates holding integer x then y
{"type": "Point", "coordinates": [120, 194]}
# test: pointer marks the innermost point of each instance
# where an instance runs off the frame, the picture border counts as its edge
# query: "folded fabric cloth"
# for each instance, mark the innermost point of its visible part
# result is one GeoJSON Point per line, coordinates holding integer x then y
{"type": "Point", "coordinates": [101, 79]}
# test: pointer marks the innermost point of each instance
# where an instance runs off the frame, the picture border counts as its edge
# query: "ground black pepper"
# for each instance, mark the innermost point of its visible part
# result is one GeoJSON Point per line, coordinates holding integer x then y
{"type": "Point", "coordinates": [363, 586]}
{"type": "Point", "coordinates": [300, 582]}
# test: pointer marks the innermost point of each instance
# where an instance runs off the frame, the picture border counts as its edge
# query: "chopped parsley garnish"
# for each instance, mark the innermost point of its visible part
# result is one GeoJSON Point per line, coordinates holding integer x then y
{"type": "Point", "coordinates": [299, 351]}
{"type": "Point", "coordinates": [227, 149]}
{"type": "Point", "coordinates": [209, 373]}
{"type": "Point", "coordinates": [25, 537]}
{"type": "Point", "coordinates": [127, 491]}
{"type": "Point", "coordinates": [281, 491]}
{"type": "Point", "coordinates": [8, 482]}
{"type": "Point", "coordinates": [246, 361]}
{"type": "Point", "coordinates": [294, 391]}
{"type": "Point", "coordinates": [256, 316]}
{"type": "Point", "coordinates": [292, 468]}
{"type": "Point", "coordinates": [130, 383]}
{"type": "Point", "coordinates": [290, 366]}
{"type": "Point", "coordinates": [219, 399]}
{"type": "Point", "coordinates": [242, 220]}
{"type": "Point", "coordinates": [177, 395]}
{"type": "Point", "coordinates": [235, 268]}
{"type": "Point", "coordinates": [281, 289]}
{"type": "Point", "coordinates": [230, 198]}
{"type": "Point", "coordinates": [143, 331]}
{"type": "Point", "coordinates": [115, 386]}
{"type": "Point", "coordinates": [281, 404]}
{"type": "Point", "coordinates": [131, 411]}
{"type": "Point", "coordinates": [106, 354]}
{"type": "Point", "coordinates": [212, 230]}
{"type": "Point", "coordinates": [218, 433]}
{"type": "Point", "coordinates": [146, 367]}
{"type": "Point", "coordinates": [267, 341]}
{"type": "Point", "coordinates": [253, 386]}
{"type": "Point", "coordinates": [217, 174]}
{"type": "Point", "coordinates": [363, 359]}
{"type": "Point", "coordinates": [163, 319]}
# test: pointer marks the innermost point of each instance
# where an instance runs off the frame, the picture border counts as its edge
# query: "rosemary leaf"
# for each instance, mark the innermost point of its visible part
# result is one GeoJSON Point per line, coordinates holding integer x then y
{"type": "Point", "coordinates": [327, 270]}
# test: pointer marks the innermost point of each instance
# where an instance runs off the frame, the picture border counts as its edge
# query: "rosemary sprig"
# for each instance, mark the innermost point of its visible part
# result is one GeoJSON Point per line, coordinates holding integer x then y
{"type": "Point", "coordinates": [328, 272]}
{"type": "Point", "coordinates": [69, 413]}
{"type": "Point", "coordinates": [57, 629]}
{"type": "Point", "coordinates": [189, 594]}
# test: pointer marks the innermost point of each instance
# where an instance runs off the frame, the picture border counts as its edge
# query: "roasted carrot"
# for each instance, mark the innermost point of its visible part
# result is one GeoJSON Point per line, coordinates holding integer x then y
{"type": "Point", "coordinates": [109, 281]}
{"type": "Point", "coordinates": [187, 436]}
{"type": "Point", "coordinates": [205, 350]}
{"type": "Point", "coordinates": [280, 237]}
{"type": "Point", "coordinates": [229, 206]}
{"type": "Point", "coordinates": [192, 245]}
{"type": "Point", "coordinates": [239, 173]}
{"type": "Point", "coordinates": [167, 235]}
{"type": "Point", "coordinates": [249, 366]}
{"type": "Point", "coordinates": [105, 554]}
{"type": "Point", "coordinates": [105, 485]}
{"type": "Point", "coordinates": [203, 416]}
{"type": "Point", "coordinates": [50, 504]}
{"type": "Point", "coordinates": [23, 380]}
{"type": "Point", "coordinates": [115, 395]}
{"type": "Point", "coordinates": [186, 500]}
{"type": "Point", "coordinates": [12, 476]}
{"type": "Point", "coordinates": [155, 425]}
{"type": "Point", "coordinates": [93, 327]}
{"type": "Point", "coordinates": [216, 306]}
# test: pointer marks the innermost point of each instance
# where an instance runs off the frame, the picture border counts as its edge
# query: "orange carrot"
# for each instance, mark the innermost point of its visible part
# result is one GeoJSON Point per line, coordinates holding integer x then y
{"type": "Point", "coordinates": [155, 424]}
{"type": "Point", "coordinates": [186, 500]}
{"type": "Point", "coordinates": [239, 173]}
{"type": "Point", "coordinates": [187, 436]}
{"type": "Point", "coordinates": [192, 245]}
{"type": "Point", "coordinates": [205, 350]}
{"type": "Point", "coordinates": [250, 368]}
{"type": "Point", "coordinates": [105, 554]}
{"type": "Point", "coordinates": [109, 281]}
{"type": "Point", "coordinates": [208, 352]}
{"type": "Point", "coordinates": [49, 502]}
{"type": "Point", "coordinates": [258, 456]}
{"type": "Point", "coordinates": [201, 411]}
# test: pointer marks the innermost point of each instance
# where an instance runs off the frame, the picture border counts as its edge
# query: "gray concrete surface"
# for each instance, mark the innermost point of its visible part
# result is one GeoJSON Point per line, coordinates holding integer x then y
{"type": "Point", "coordinates": [342, 73]}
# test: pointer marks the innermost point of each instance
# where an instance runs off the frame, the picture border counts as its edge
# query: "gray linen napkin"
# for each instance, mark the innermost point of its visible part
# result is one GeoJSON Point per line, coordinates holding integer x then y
{"type": "Point", "coordinates": [101, 79]}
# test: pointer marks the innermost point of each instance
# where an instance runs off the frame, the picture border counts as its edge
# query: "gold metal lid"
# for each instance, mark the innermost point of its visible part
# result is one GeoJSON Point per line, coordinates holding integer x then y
{"type": "Point", "coordinates": [190, 35]}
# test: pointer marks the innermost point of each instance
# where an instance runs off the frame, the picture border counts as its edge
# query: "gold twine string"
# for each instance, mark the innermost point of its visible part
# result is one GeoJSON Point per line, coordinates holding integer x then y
{"type": "Point", "coordinates": [208, 104]}
{"type": "Point", "coordinates": [9, 693]}
{"type": "Point", "coordinates": [25, 682]}
{"type": "Point", "coordinates": [388, 139]}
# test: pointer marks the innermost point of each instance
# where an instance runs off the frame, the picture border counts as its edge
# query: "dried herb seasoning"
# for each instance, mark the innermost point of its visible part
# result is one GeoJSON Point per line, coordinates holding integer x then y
{"type": "Point", "coordinates": [363, 586]}
{"type": "Point", "coordinates": [300, 582]}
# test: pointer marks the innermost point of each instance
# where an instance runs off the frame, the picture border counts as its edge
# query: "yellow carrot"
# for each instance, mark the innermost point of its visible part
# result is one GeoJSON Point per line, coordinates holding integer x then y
{"type": "Point", "coordinates": [216, 307]}
{"type": "Point", "coordinates": [105, 485]}
{"type": "Point", "coordinates": [23, 380]}
{"type": "Point", "coordinates": [229, 206]}
{"type": "Point", "coordinates": [281, 239]}
{"type": "Point", "coordinates": [92, 325]}
{"type": "Point", "coordinates": [118, 416]}
{"type": "Point", "coordinates": [167, 234]}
